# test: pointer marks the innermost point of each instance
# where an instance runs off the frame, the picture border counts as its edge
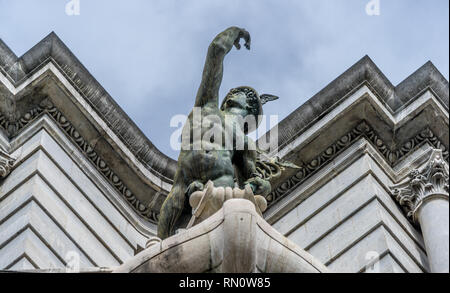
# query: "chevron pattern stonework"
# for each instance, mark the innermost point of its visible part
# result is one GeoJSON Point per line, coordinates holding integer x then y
{"type": "Point", "coordinates": [81, 186]}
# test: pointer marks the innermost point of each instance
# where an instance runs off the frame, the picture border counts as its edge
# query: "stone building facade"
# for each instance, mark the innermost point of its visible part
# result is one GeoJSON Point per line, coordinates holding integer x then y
{"type": "Point", "coordinates": [81, 186]}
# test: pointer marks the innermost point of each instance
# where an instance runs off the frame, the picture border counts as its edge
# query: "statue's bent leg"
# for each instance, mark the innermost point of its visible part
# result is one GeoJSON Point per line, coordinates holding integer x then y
{"type": "Point", "coordinates": [171, 211]}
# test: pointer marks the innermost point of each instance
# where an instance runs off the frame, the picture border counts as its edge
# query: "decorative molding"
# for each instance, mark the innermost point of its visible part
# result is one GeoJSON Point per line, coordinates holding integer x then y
{"type": "Point", "coordinates": [6, 164]}
{"type": "Point", "coordinates": [363, 129]}
{"type": "Point", "coordinates": [18, 70]}
{"type": "Point", "coordinates": [12, 128]}
{"type": "Point", "coordinates": [422, 185]}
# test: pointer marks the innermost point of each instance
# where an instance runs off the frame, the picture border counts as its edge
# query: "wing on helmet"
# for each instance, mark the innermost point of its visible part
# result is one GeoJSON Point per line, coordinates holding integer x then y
{"type": "Point", "coordinates": [267, 98]}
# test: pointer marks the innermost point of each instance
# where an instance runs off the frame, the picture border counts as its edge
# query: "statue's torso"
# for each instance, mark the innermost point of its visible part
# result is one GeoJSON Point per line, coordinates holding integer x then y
{"type": "Point", "coordinates": [205, 156]}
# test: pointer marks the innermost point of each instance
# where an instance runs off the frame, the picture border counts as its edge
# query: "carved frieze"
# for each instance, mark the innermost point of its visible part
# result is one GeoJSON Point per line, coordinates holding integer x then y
{"type": "Point", "coordinates": [46, 106]}
{"type": "Point", "coordinates": [363, 129]}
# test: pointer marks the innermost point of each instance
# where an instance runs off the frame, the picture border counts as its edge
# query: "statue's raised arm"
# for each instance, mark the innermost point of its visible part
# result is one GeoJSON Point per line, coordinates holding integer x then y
{"type": "Point", "coordinates": [208, 163]}
{"type": "Point", "coordinates": [208, 91]}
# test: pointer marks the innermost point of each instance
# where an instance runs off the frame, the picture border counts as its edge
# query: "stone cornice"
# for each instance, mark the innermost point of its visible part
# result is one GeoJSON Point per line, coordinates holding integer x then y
{"type": "Point", "coordinates": [46, 107]}
{"type": "Point", "coordinates": [52, 49]}
{"type": "Point", "coordinates": [363, 129]}
{"type": "Point", "coordinates": [6, 163]}
{"type": "Point", "coordinates": [364, 72]}
{"type": "Point", "coordinates": [430, 182]}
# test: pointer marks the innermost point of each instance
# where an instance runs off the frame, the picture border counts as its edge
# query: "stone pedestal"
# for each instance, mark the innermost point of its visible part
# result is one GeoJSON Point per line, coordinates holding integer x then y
{"type": "Point", "coordinates": [236, 239]}
{"type": "Point", "coordinates": [424, 197]}
{"type": "Point", "coordinates": [207, 202]}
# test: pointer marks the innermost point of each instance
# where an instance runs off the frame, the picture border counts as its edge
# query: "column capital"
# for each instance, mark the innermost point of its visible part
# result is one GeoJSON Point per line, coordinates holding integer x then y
{"type": "Point", "coordinates": [431, 181]}
{"type": "Point", "coordinates": [6, 163]}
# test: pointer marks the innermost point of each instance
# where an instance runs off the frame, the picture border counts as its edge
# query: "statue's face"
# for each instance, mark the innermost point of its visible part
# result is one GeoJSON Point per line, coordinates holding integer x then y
{"type": "Point", "coordinates": [236, 103]}
{"type": "Point", "coordinates": [241, 101]}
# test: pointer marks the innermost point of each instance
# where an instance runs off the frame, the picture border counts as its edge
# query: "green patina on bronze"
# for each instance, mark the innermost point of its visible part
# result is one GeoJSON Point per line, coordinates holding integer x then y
{"type": "Point", "coordinates": [222, 166]}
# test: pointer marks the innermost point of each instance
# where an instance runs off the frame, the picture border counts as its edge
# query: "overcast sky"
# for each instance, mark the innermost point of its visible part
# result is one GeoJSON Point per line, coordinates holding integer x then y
{"type": "Point", "coordinates": [149, 54]}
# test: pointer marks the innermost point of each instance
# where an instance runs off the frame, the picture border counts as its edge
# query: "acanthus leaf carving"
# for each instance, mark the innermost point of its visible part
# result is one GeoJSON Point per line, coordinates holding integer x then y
{"type": "Point", "coordinates": [6, 163]}
{"type": "Point", "coordinates": [421, 185]}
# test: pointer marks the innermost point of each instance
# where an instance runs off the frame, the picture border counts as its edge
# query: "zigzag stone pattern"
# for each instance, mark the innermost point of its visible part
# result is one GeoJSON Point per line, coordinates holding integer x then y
{"type": "Point", "coordinates": [12, 128]}
{"type": "Point", "coordinates": [52, 50]}
{"type": "Point", "coordinates": [363, 129]}
{"type": "Point", "coordinates": [365, 72]}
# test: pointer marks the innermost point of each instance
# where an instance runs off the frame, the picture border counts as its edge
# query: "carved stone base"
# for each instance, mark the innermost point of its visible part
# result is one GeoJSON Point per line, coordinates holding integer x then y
{"type": "Point", "coordinates": [233, 240]}
{"type": "Point", "coordinates": [207, 202]}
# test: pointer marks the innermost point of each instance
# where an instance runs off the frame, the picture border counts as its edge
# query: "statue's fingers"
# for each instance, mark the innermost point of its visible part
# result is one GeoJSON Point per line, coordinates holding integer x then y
{"type": "Point", "coordinates": [244, 33]}
{"type": "Point", "coordinates": [247, 38]}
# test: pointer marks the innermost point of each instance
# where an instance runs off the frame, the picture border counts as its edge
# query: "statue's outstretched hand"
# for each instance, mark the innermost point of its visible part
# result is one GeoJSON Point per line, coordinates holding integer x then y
{"type": "Point", "coordinates": [243, 34]}
{"type": "Point", "coordinates": [213, 69]}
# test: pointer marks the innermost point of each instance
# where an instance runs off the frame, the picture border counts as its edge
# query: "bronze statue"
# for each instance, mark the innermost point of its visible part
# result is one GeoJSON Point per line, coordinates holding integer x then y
{"type": "Point", "coordinates": [213, 161]}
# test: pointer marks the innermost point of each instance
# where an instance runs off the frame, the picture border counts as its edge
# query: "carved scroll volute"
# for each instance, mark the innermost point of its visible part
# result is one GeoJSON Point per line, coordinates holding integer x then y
{"type": "Point", "coordinates": [422, 185]}
{"type": "Point", "coordinates": [6, 164]}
